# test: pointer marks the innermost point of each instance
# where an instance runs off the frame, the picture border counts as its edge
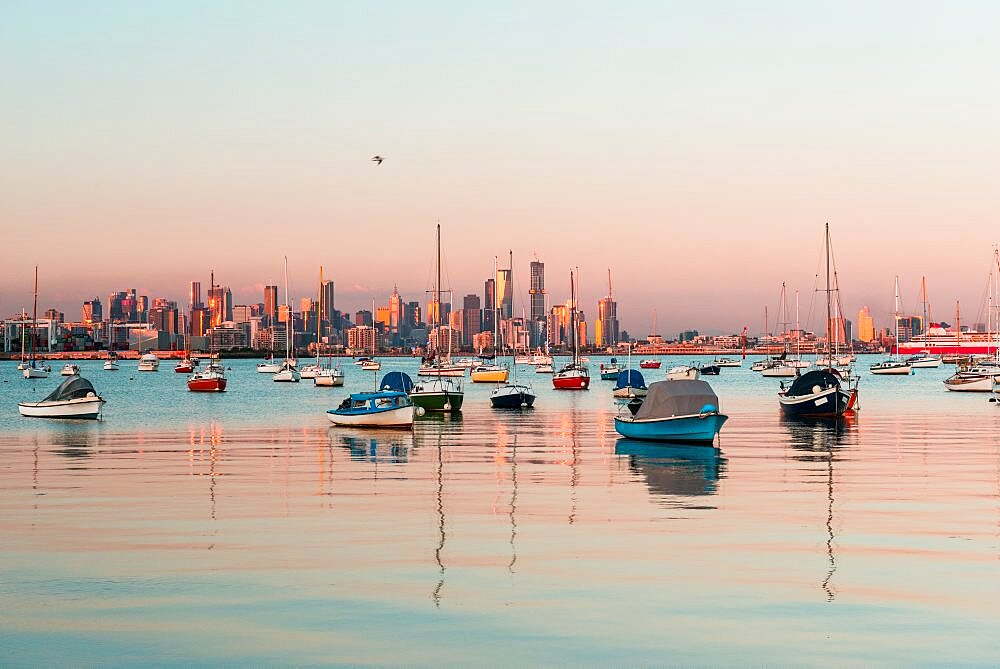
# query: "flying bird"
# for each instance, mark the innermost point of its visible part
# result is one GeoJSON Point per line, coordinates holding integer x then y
{"type": "Point", "coordinates": [377, 159]}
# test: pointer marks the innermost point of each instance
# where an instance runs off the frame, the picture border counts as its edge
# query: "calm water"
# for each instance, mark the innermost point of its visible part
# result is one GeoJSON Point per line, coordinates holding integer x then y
{"type": "Point", "coordinates": [241, 528]}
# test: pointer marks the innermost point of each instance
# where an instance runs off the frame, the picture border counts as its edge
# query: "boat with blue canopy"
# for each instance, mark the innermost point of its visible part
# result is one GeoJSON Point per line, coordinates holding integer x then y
{"type": "Point", "coordinates": [630, 384]}
{"type": "Point", "coordinates": [383, 408]}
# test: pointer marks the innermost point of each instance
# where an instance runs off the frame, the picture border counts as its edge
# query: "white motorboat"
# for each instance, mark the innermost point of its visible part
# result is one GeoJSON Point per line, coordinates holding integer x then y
{"type": "Point", "coordinates": [74, 398]}
{"type": "Point", "coordinates": [310, 371]}
{"type": "Point", "coordinates": [148, 363]}
{"type": "Point", "coordinates": [891, 367]}
{"type": "Point", "coordinates": [34, 370]}
{"type": "Point", "coordinates": [371, 365]}
{"type": "Point", "coordinates": [727, 362]}
{"type": "Point", "coordinates": [543, 369]}
{"type": "Point", "coordinates": [329, 378]}
{"type": "Point", "coordinates": [384, 408]}
{"type": "Point", "coordinates": [268, 366]}
{"type": "Point", "coordinates": [683, 372]}
{"type": "Point", "coordinates": [111, 365]}
{"type": "Point", "coordinates": [69, 369]}
{"type": "Point", "coordinates": [924, 361]}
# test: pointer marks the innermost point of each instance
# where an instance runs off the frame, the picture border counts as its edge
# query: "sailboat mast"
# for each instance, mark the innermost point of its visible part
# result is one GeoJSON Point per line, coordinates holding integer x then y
{"type": "Point", "coordinates": [319, 312]}
{"type": "Point", "coordinates": [288, 315]}
{"type": "Point", "coordinates": [572, 316]}
{"type": "Point", "coordinates": [829, 348]}
{"type": "Point", "coordinates": [496, 309]}
{"type": "Point", "coordinates": [34, 319]}
{"type": "Point", "coordinates": [923, 295]}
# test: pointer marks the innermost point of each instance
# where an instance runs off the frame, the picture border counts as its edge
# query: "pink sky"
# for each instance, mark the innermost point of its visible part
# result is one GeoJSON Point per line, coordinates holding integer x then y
{"type": "Point", "coordinates": [695, 151]}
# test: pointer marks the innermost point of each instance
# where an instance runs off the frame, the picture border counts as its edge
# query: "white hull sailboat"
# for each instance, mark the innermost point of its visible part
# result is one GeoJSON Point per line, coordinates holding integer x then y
{"type": "Point", "coordinates": [287, 372]}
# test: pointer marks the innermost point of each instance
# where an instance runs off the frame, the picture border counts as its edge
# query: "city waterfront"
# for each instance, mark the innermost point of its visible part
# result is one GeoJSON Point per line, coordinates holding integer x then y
{"type": "Point", "coordinates": [241, 528]}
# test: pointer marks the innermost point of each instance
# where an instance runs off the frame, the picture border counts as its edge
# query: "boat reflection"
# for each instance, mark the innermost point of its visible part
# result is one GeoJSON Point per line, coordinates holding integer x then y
{"type": "Point", "coordinates": [821, 441]}
{"type": "Point", "coordinates": [77, 443]}
{"type": "Point", "coordinates": [674, 470]}
{"type": "Point", "coordinates": [387, 449]}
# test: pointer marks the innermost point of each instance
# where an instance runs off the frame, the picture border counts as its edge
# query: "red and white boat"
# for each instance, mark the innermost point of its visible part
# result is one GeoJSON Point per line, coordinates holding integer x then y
{"type": "Point", "coordinates": [650, 364]}
{"type": "Point", "coordinates": [211, 380]}
{"type": "Point", "coordinates": [575, 375]}
{"type": "Point", "coordinates": [185, 366]}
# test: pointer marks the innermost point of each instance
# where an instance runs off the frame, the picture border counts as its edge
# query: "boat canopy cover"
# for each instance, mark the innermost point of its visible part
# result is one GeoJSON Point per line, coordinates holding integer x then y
{"type": "Point", "coordinates": [71, 389]}
{"type": "Point", "coordinates": [677, 398]}
{"type": "Point", "coordinates": [818, 377]}
{"type": "Point", "coordinates": [398, 381]}
{"type": "Point", "coordinates": [630, 378]}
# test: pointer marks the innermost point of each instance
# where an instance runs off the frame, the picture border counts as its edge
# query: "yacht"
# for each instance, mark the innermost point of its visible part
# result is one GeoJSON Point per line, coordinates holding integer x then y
{"type": "Point", "coordinates": [148, 363]}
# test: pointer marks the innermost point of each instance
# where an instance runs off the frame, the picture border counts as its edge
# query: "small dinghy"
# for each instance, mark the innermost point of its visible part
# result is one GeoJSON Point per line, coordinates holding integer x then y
{"type": "Point", "coordinates": [630, 384]}
{"type": "Point", "coordinates": [74, 398]}
{"type": "Point", "coordinates": [683, 410]}
{"type": "Point", "coordinates": [384, 408]}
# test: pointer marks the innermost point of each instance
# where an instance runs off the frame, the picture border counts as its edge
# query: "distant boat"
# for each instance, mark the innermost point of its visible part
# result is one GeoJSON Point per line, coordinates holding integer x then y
{"type": "Point", "coordinates": [649, 364]}
{"type": "Point", "coordinates": [778, 368]}
{"type": "Point", "coordinates": [384, 408]}
{"type": "Point", "coordinates": [727, 362]}
{"type": "Point", "coordinates": [924, 361]}
{"type": "Point", "coordinates": [709, 370]}
{"type": "Point", "coordinates": [543, 369]}
{"type": "Point", "coordinates": [185, 366]}
{"type": "Point", "coordinates": [611, 371]}
{"type": "Point", "coordinates": [212, 379]}
{"type": "Point", "coordinates": [329, 377]}
{"type": "Point", "coordinates": [33, 369]}
{"type": "Point", "coordinates": [674, 411]}
{"type": "Point", "coordinates": [111, 365]}
{"type": "Point", "coordinates": [512, 395]}
{"type": "Point", "coordinates": [371, 365]}
{"type": "Point", "coordinates": [69, 369]}
{"type": "Point", "coordinates": [269, 366]}
{"type": "Point", "coordinates": [894, 365]}
{"type": "Point", "coordinates": [979, 379]}
{"type": "Point", "coordinates": [683, 373]}
{"type": "Point", "coordinates": [575, 375]}
{"type": "Point", "coordinates": [74, 398]}
{"type": "Point", "coordinates": [288, 371]}
{"type": "Point", "coordinates": [148, 363]}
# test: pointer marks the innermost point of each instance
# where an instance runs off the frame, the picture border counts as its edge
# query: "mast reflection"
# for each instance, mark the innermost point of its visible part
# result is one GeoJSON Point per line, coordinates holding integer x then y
{"type": "Point", "coordinates": [818, 441]}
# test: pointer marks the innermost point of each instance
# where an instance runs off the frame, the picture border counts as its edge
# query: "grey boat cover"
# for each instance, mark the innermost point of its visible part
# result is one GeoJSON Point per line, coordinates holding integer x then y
{"type": "Point", "coordinates": [677, 398]}
{"type": "Point", "coordinates": [71, 389]}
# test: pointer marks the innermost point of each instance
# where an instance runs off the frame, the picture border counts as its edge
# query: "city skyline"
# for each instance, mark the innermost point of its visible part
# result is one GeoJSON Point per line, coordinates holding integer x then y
{"type": "Point", "coordinates": [697, 150]}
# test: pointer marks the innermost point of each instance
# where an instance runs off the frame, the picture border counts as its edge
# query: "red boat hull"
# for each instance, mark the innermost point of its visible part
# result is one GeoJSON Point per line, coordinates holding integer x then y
{"type": "Point", "coordinates": [571, 382]}
{"type": "Point", "coordinates": [207, 385]}
{"type": "Point", "coordinates": [649, 365]}
{"type": "Point", "coordinates": [183, 369]}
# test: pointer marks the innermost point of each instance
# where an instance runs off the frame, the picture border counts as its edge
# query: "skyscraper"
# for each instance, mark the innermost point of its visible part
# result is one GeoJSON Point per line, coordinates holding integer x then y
{"type": "Point", "coordinates": [472, 318]}
{"type": "Point", "coordinates": [271, 304]}
{"type": "Point", "coordinates": [92, 312]}
{"type": "Point", "coordinates": [395, 311]}
{"type": "Point", "coordinates": [489, 305]}
{"type": "Point", "coordinates": [606, 326]}
{"type": "Point", "coordinates": [326, 306]}
{"type": "Point", "coordinates": [537, 290]}
{"type": "Point", "coordinates": [194, 296]}
{"type": "Point", "coordinates": [505, 293]}
{"type": "Point", "coordinates": [866, 326]}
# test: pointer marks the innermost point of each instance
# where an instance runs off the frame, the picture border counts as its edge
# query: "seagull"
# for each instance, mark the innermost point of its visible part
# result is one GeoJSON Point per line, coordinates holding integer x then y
{"type": "Point", "coordinates": [377, 159]}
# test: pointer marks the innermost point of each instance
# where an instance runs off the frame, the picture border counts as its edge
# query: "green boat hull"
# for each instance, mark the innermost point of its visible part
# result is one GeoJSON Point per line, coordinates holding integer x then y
{"type": "Point", "coordinates": [438, 401]}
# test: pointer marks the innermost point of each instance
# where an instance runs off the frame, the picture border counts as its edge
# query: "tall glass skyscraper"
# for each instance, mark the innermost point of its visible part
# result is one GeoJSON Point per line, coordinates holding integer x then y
{"type": "Point", "coordinates": [537, 290]}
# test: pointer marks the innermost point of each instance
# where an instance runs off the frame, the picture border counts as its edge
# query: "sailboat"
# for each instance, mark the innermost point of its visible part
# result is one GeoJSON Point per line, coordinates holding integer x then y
{"type": "Point", "coordinates": [894, 365]}
{"type": "Point", "coordinates": [512, 395]}
{"type": "Point", "coordinates": [288, 373]}
{"type": "Point", "coordinates": [485, 372]}
{"type": "Point", "coordinates": [985, 374]}
{"type": "Point", "coordinates": [310, 371]}
{"type": "Point", "coordinates": [212, 379]}
{"type": "Point", "coordinates": [924, 359]}
{"type": "Point", "coordinates": [34, 369]}
{"type": "Point", "coordinates": [438, 393]}
{"type": "Point", "coordinates": [629, 382]}
{"type": "Point", "coordinates": [575, 375]}
{"type": "Point", "coordinates": [823, 392]}
{"type": "Point", "coordinates": [779, 366]}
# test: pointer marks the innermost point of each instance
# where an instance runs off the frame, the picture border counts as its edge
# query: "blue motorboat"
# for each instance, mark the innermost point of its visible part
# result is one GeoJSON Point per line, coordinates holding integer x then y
{"type": "Point", "coordinates": [674, 411]}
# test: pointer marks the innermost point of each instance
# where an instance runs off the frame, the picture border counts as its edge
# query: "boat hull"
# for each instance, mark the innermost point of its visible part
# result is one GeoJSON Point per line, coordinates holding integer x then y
{"type": "Point", "coordinates": [492, 376]}
{"type": "Point", "coordinates": [85, 408]}
{"type": "Point", "coordinates": [439, 401]}
{"type": "Point", "coordinates": [35, 373]}
{"type": "Point", "coordinates": [216, 385]}
{"type": "Point", "coordinates": [265, 368]}
{"type": "Point", "coordinates": [570, 382]}
{"type": "Point", "coordinates": [287, 376]}
{"type": "Point", "coordinates": [453, 371]}
{"type": "Point", "coordinates": [829, 402]}
{"type": "Point", "coordinates": [970, 384]}
{"type": "Point", "coordinates": [396, 417]}
{"type": "Point", "coordinates": [649, 364]}
{"type": "Point", "coordinates": [900, 370]}
{"type": "Point", "coordinates": [694, 428]}
{"type": "Point", "coordinates": [782, 371]}
{"type": "Point", "coordinates": [512, 397]}
{"type": "Point", "coordinates": [629, 391]}
{"type": "Point", "coordinates": [328, 380]}
{"type": "Point", "coordinates": [610, 374]}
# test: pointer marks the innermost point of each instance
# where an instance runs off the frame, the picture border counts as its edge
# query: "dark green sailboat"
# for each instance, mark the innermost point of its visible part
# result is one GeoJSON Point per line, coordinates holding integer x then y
{"type": "Point", "coordinates": [438, 393]}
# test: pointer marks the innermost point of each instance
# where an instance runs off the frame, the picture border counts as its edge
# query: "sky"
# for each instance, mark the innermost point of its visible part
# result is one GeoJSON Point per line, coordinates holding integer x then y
{"type": "Point", "coordinates": [696, 149]}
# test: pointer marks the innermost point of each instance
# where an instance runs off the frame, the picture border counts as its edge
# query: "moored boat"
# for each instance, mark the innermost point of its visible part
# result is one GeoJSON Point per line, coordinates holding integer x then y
{"type": "Point", "coordinates": [384, 408]}
{"type": "Point", "coordinates": [674, 411]}
{"type": "Point", "coordinates": [69, 369]}
{"type": "Point", "coordinates": [268, 366]}
{"type": "Point", "coordinates": [727, 362]}
{"type": "Point", "coordinates": [73, 398]}
{"type": "Point", "coordinates": [148, 363]}
{"type": "Point", "coordinates": [649, 364]}
{"type": "Point", "coordinates": [891, 367]}
{"type": "Point", "coordinates": [817, 394]}
{"type": "Point", "coordinates": [630, 383]}
{"type": "Point", "coordinates": [575, 375]}
{"type": "Point", "coordinates": [212, 379]}
{"type": "Point", "coordinates": [683, 373]}
{"type": "Point", "coordinates": [329, 378]}
{"type": "Point", "coordinates": [611, 371]}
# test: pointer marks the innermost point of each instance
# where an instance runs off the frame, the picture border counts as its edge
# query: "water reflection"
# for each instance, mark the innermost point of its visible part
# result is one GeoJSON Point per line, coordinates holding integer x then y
{"type": "Point", "coordinates": [819, 441]}
{"type": "Point", "coordinates": [392, 450]}
{"type": "Point", "coordinates": [438, 552]}
{"type": "Point", "coordinates": [76, 444]}
{"type": "Point", "coordinates": [670, 470]}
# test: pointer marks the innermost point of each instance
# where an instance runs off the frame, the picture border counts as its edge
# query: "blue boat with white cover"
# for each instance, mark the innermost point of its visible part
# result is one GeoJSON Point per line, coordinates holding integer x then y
{"type": "Point", "coordinates": [674, 411]}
